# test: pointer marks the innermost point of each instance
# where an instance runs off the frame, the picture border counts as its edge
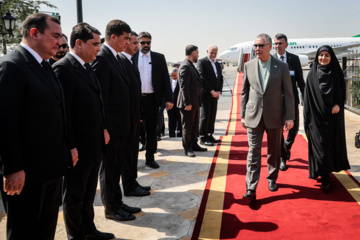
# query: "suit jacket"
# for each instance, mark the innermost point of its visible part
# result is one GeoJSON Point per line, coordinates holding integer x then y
{"type": "Point", "coordinates": [32, 119]}
{"type": "Point", "coordinates": [190, 85]}
{"type": "Point", "coordinates": [176, 91]}
{"type": "Point", "coordinates": [115, 86]}
{"type": "Point", "coordinates": [270, 103]}
{"type": "Point", "coordinates": [83, 103]}
{"type": "Point", "coordinates": [208, 78]}
{"type": "Point", "coordinates": [159, 77]}
{"type": "Point", "coordinates": [298, 80]}
{"type": "Point", "coordinates": [135, 87]}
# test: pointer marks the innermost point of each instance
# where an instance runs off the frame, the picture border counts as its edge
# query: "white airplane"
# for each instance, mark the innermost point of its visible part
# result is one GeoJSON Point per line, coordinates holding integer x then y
{"type": "Point", "coordinates": [304, 48]}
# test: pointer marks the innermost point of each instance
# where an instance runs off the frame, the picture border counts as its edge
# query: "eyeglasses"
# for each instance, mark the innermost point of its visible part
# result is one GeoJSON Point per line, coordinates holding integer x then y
{"type": "Point", "coordinates": [65, 45]}
{"type": "Point", "coordinates": [143, 43]}
{"type": "Point", "coordinates": [261, 46]}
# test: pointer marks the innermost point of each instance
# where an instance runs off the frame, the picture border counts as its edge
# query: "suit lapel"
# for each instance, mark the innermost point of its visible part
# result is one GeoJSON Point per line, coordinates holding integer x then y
{"type": "Point", "coordinates": [273, 68]}
{"type": "Point", "coordinates": [210, 66]}
{"type": "Point", "coordinates": [81, 71]}
{"type": "Point", "coordinates": [115, 63]}
{"type": "Point", "coordinates": [39, 71]}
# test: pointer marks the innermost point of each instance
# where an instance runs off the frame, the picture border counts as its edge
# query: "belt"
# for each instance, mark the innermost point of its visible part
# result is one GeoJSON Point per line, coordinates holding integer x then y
{"type": "Point", "coordinates": [146, 94]}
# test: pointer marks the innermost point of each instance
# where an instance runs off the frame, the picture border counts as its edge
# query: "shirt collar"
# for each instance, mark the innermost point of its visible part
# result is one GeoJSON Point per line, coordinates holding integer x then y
{"type": "Point", "coordinates": [32, 52]}
{"type": "Point", "coordinates": [211, 60]}
{"type": "Point", "coordinates": [127, 55]}
{"type": "Point", "coordinates": [279, 56]}
{"type": "Point", "coordinates": [141, 54]}
{"type": "Point", "coordinates": [111, 49]}
{"type": "Point", "coordinates": [78, 58]}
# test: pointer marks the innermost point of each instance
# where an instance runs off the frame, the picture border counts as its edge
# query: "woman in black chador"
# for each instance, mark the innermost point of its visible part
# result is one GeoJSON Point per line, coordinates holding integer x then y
{"type": "Point", "coordinates": [324, 117]}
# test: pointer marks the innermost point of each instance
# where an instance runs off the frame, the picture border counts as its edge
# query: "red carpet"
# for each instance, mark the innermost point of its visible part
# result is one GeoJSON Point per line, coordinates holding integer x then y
{"type": "Point", "coordinates": [298, 210]}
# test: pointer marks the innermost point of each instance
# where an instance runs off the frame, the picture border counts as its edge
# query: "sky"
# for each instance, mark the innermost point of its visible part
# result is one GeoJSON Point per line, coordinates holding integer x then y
{"type": "Point", "coordinates": [176, 24]}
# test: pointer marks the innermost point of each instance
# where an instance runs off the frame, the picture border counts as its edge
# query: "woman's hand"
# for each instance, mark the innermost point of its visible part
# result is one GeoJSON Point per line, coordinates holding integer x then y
{"type": "Point", "coordinates": [335, 109]}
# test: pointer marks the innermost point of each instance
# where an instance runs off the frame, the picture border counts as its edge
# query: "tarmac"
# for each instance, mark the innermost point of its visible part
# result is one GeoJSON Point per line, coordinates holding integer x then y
{"type": "Point", "coordinates": [177, 186]}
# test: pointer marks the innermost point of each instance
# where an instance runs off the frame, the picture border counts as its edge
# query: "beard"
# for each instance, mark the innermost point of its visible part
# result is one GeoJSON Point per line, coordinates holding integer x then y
{"type": "Point", "coordinates": [60, 54]}
{"type": "Point", "coordinates": [145, 50]}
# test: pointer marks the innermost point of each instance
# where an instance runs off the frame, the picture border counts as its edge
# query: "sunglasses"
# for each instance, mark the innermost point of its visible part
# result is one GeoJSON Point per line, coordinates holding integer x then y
{"type": "Point", "coordinates": [65, 45]}
{"type": "Point", "coordinates": [261, 46]}
{"type": "Point", "coordinates": [143, 43]}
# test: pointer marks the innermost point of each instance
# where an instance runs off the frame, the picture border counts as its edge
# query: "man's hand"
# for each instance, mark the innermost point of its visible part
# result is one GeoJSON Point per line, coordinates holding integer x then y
{"type": "Point", "coordinates": [243, 123]}
{"type": "Point", "coordinates": [215, 94]}
{"type": "Point", "coordinates": [335, 109]}
{"type": "Point", "coordinates": [188, 107]}
{"type": "Point", "coordinates": [289, 124]}
{"type": "Point", "coordinates": [169, 105]}
{"type": "Point", "coordinates": [74, 156]}
{"type": "Point", "coordinates": [14, 183]}
{"type": "Point", "coordinates": [107, 136]}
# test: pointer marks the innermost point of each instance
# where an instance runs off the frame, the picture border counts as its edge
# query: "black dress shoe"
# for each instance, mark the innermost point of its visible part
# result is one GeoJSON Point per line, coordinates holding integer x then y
{"type": "Point", "coordinates": [99, 235]}
{"type": "Point", "coordinates": [158, 137]}
{"type": "Point", "coordinates": [197, 148]}
{"type": "Point", "coordinates": [273, 186]}
{"type": "Point", "coordinates": [137, 192]}
{"type": "Point", "coordinates": [189, 153]}
{"type": "Point", "coordinates": [283, 166]}
{"type": "Point", "coordinates": [179, 134]}
{"type": "Point", "coordinates": [172, 135]}
{"type": "Point", "coordinates": [146, 188]}
{"type": "Point", "coordinates": [152, 164]}
{"type": "Point", "coordinates": [250, 195]}
{"type": "Point", "coordinates": [213, 140]}
{"type": "Point", "coordinates": [206, 142]}
{"type": "Point", "coordinates": [120, 215]}
{"type": "Point", "coordinates": [325, 182]}
{"type": "Point", "coordinates": [141, 147]}
{"type": "Point", "coordinates": [130, 209]}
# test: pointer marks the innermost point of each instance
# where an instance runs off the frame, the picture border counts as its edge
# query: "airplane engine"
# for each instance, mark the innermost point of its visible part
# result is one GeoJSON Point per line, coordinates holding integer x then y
{"type": "Point", "coordinates": [304, 60]}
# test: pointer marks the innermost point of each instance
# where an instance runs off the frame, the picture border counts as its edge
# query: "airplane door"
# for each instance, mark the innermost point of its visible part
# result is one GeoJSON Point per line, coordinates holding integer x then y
{"type": "Point", "coordinates": [243, 58]}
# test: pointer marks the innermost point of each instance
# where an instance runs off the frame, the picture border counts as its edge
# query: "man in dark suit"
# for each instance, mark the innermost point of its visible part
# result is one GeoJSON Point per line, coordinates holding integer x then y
{"type": "Point", "coordinates": [297, 80]}
{"type": "Point", "coordinates": [189, 100]}
{"type": "Point", "coordinates": [129, 171]}
{"type": "Point", "coordinates": [33, 143]}
{"type": "Point", "coordinates": [267, 103]}
{"type": "Point", "coordinates": [62, 51]}
{"type": "Point", "coordinates": [84, 111]}
{"type": "Point", "coordinates": [212, 82]}
{"type": "Point", "coordinates": [116, 93]}
{"type": "Point", "coordinates": [155, 87]}
{"type": "Point", "coordinates": [174, 117]}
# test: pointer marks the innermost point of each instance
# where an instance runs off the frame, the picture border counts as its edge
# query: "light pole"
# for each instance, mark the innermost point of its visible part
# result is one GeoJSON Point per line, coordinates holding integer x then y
{"type": "Point", "coordinates": [8, 22]}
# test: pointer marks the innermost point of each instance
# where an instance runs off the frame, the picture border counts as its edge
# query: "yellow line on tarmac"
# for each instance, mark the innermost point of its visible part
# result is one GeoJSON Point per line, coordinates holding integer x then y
{"type": "Point", "coordinates": [347, 182]}
{"type": "Point", "coordinates": [211, 226]}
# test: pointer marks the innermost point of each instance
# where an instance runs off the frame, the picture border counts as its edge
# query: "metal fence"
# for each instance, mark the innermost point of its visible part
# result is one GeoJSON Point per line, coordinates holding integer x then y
{"type": "Point", "coordinates": [351, 66]}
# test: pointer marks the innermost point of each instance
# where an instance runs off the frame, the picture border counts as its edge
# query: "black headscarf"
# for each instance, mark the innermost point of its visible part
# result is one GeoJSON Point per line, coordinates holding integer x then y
{"type": "Point", "coordinates": [325, 88]}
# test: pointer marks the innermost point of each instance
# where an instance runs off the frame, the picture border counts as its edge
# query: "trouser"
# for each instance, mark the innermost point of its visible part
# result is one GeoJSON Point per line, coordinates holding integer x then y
{"type": "Point", "coordinates": [286, 145]}
{"type": "Point", "coordinates": [255, 136]}
{"type": "Point", "coordinates": [208, 114]}
{"type": "Point", "coordinates": [150, 119]}
{"type": "Point", "coordinates": [174, 121]}
{"type": "Point", "coordinates": [34, 213]}
{"type": "Point", "coordinates": [190, 126]}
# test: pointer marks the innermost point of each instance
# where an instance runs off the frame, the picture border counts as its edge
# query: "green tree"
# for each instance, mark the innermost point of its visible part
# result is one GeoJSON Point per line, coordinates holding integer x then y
{"type": "Point", "coordinates": [20, 10]}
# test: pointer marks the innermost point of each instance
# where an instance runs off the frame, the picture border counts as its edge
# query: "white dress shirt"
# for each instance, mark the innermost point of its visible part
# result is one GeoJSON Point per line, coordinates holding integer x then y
{"type": "Point", "coordinates": [145, 69]}
{"type": "Point", "coordinates": [279, 57]}
{"type": "Point", "coordinates": [214, 67]}
{"type": "Point", "coordinates": [128, 56]}
{"type": "Point", "coordinates": [173, 84]}
{"type": "Point", "coordinates": [111, 49]}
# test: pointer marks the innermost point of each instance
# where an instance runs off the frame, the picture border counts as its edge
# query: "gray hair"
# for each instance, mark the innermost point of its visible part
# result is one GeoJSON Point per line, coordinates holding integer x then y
{"type": "Point", "coordinates": [265, 37]}
{"type": "Point", "coordinates": [174, 70]}
{"type": "Point", "coordinates": [212, 46]}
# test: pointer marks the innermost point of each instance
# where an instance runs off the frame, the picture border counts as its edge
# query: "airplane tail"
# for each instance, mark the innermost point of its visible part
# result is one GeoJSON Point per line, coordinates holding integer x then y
{"type": "Point", "coordinates": [357, 35]}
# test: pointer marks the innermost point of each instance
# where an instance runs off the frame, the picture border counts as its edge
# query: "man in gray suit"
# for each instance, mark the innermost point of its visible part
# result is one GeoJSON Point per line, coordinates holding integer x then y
{"type": "Point", "coordinates": [263, 108]}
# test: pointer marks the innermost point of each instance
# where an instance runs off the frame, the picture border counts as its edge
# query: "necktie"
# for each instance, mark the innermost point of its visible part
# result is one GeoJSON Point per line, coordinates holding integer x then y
{"type": "Point", "coordinates": [52, 80]}
{"type": "Point", "coordinates": [90, 72]}
{"type": "Point", "coordinates": [282, 58]}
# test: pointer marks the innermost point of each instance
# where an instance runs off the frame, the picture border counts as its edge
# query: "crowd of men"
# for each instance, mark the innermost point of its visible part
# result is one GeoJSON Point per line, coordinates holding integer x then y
{"type": "Point", "coordinates": [69, 117]}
